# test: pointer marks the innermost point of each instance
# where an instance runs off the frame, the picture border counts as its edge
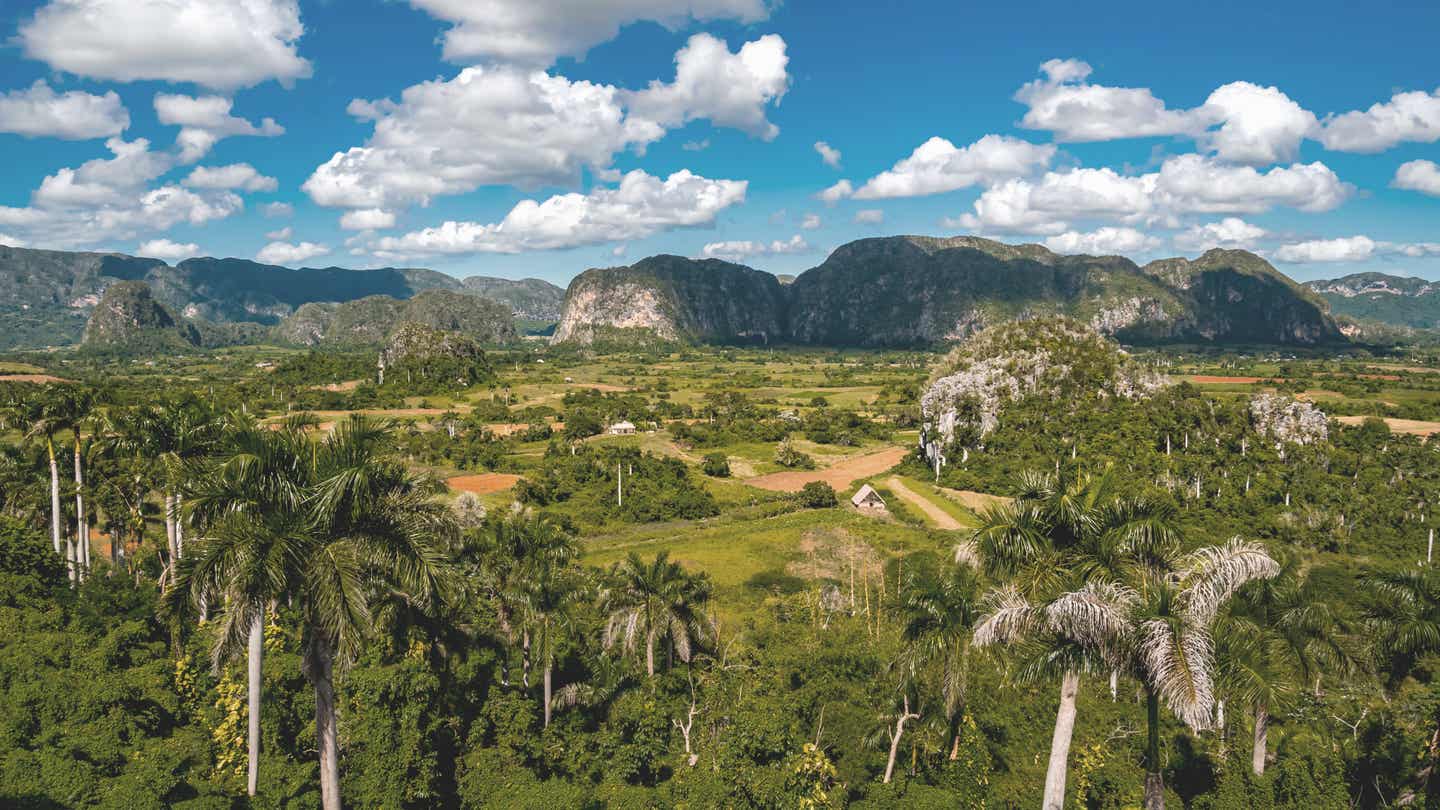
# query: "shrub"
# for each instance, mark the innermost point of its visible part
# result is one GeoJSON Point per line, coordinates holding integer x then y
{"type": "Point", "coordinates": [717, 465]}
{"type": "Point", "coordinates": [817, 495]}
{"type": "Point", "coordinates": [786, 455]}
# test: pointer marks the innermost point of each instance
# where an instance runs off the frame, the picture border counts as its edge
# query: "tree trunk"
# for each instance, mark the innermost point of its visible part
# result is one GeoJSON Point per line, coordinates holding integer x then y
{"type": "Point", "coordinates": [255, 655]}
{"type": "Point", "coordinates": [1262, 729]}
{"type": "Point", "coordinates": [548, 668]}
{"type": "Point", "coordinates": [650, 653]}
{"type": "Point", "coordinates": [320, 669]}
{"type": "Point", "coordinates": [170, 534]}
{"type": "Point", "coordinates": [54, 500]}
{"type": "Point", "coordinates": [81, 541]}
{"type": "Point", "coordinates": [1060, 743]}
{"type": "Point", "coordinates": [525, 659]}
{"type": "Point", "coordinates": [895, 739]}
{"type": "Point", "coordinates": [1154, 779]}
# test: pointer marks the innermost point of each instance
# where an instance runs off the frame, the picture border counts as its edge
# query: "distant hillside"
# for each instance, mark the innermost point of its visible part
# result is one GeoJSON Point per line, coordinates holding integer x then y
{"type": "Point", "coordinates": [1385, 299]}
{"type": "Point", "coordinates": [917, 291]}
{"type": "Point", "coordinates": [529, 298]}
{"type": "Point", "coordinates": [46, 295]}
{"type": "Point", "coordinates": [129, 319]}
{"type": "Point", "coordinates": [675, 298]}
{"type": "Point", "coordinates": [370, 321]}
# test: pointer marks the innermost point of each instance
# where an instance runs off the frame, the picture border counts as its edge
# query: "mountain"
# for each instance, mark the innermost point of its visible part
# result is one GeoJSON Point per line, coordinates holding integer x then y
{"type": "Point", "coordinates": [129, 319]}
{"type": "Point", "coordinates": [675, 298]}
{"type": "Point", "coordinates": [1390, 300]}
{"type": "Point", "coordinates": [529, 298]}
{"type": "Point", "coordinates": [371, 320]}
{"type": "Point", "coordinates": [916, 290]}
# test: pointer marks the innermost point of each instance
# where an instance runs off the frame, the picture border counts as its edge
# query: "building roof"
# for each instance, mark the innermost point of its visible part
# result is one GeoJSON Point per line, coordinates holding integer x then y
{"type": "Point", "coordinates": [867, 494]}
{"type": "Point", "coordinates": [622, 425]}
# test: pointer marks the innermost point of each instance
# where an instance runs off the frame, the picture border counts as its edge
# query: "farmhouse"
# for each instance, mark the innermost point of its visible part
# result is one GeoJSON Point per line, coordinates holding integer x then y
{"type": "Point", "coordinates": [621, 428]}
{"type": "Point", "coordinates": [868, 499]}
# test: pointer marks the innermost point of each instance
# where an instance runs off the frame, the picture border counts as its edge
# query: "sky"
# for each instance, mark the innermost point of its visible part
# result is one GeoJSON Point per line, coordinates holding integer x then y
{"type": "Point", "coordinates": [538, 138]}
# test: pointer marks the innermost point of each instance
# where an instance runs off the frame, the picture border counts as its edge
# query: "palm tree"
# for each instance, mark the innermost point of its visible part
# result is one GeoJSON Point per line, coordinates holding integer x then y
{"type": "Point", "coordinates": [251, 498]}
{"type": "Point", "coordinates": [1157, 626]}
{"type": "Point", "coordinates": [552, 589]}
{"type": "Point", "coordinates": [70, 409]}
{"type": "Point", "coordinates": [1404, 622]}
{"type": "Point", "coordinates": [35, 417]}
{"type": "Point", "coordinates": [1061, 530]}
{"type": "Point", "coordinates": [1278, 637]}
{"type": "Point", "coordinates": [179, 433]}
{"type": "Point", "coordinates": [507, 547]}
{"type": "Point", "coordinates": [940, 610]}
{"type": "Point", "coordinates": [654, 601]}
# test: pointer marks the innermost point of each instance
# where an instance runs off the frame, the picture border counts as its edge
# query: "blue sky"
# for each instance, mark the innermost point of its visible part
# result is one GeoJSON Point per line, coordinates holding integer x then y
{"type": "Point", "coordinates": [414, 133]}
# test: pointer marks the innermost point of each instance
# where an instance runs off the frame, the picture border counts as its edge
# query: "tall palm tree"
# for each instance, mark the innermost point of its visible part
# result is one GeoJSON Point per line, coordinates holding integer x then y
{"type": "Point", "coordinates": [503, 552]}
{"type": "Point", "coordinates": [654, 601]}
{"type": "Point", "coordinates": [1278, 637]}
{"type": "Point", "coordinates": [552, 589]}
{"type": "Point", "coordinates": [34, 416]}
{"type": "Point", "coordinates": [1156, 625]}
{"type": "Point", "coordinates": [1062, 530]}
{"type": "Point", "coordinates": [940, 610]}
{"type": "Point", "coordinates": [251, 497]}
{"type": "Point", "coordinates": [70, 409]}
{"type": "Point", "coordinates": [1404, 622]}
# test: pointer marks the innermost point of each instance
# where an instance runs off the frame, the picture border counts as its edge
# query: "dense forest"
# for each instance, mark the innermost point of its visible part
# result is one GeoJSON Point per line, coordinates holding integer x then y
{"type": "Point", "coordinates": [1206, 599]}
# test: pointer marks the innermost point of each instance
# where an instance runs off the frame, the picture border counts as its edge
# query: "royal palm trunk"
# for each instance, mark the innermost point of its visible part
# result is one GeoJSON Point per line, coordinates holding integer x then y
{"type": "Point", "coordinates": [320, 662]}
{"type": "Point", "coordinates": [254, 657]}
{"type": "Point", "coordinates": [1154, 779]}
{"type": "Point", "coordinates": [1060, 743]}
{"type": "Point", "coordinates": [1262, 729]}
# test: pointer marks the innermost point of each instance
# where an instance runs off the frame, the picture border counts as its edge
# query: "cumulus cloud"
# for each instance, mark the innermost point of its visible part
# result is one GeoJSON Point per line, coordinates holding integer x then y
{"type": "Point", "coordinates": [11, 241]}
{"type": "Point", "coordinates": [829, 154]}
{"type": "Point", "coordinates": [1258, 125]}
{"type": "Point", "coordinates": [741, 250]}
{"type": "Point", "coordinates": [810, 222]}
{"type": "Point", "coordinates": [167, 250]}
{"type": "Point", "coordinates": [1230, 232]}
{"type": "Point", "coordinates": [109, 199]}
{"type": "Point", "coordinates": [282, 235]}
{"type": "Point", "coordinates": [938, 166]}
{"type": "Point", "coordinates": [1347, 249]}
{"type": "Point", "coordinates": [537, 32]}
{"type": "Point", "coordinates": [366, 219]}
{"type": "Point", "coordinates": [285, 253]}
{"type": "Point", "coordinates": [642, 205]}
{"type": "Point", "coordinates": [1418, 175]}
{"type": "Point", "coordinates": [278, 210]}
{"type": "Point", "coordinates": [235, 176]}
{"type": "Point", "coordinates": [869, 216]}
{"type": "Point", "coordinates": [1412, 117]}
{"type": "Point", "coordinates": [224, 44]}
{"type": "Point", "coordinates": [836, 193]}
{"type": "Point", "coordinates": [696, 146]}
{"type": "Point", "coordinates": [507, 126]}
{"type": "Point", "coordinates": [204, 121]}
{"type": "Point", "coordinates": [1186, 184]}
{"type": "Point", "coordinates": [40, 112]}
{"type": "Point", "coordinates": [729, 89]}
{"type": "Point", "coordinates": [1103, 242]}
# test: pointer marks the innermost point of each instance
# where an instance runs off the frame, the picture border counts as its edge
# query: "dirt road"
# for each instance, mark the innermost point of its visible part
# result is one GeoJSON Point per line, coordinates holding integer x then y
{"type": "Point", "coordinates": [936, 515]}
{"type": "Point", "coordinates": [839, 475]}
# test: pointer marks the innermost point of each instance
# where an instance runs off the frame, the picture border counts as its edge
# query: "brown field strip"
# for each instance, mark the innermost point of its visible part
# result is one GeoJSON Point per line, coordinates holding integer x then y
{"type": "Point", "coordinates": [839, 475]}
{"type": "Point", "coordinates": [1414, 427]}
{"type": "Point", "coordinates": [483, 483]}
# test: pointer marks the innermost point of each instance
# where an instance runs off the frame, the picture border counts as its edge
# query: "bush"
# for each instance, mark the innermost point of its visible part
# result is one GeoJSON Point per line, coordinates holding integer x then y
{"type": "Point", "coordinates": [787, 456]}
{"type": "Point", "coordinates": [817, 495]}
{"type": "Point", "coordinates": [775, 581]}
{"type": "Point", "coordinates": [717, 465]}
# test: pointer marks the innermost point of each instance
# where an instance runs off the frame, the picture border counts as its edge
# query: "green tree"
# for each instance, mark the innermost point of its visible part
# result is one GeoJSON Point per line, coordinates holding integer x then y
{"type": "Point", "coordinates": [940, 610]}
{"type": "Point", "coordinates": [659, 600]}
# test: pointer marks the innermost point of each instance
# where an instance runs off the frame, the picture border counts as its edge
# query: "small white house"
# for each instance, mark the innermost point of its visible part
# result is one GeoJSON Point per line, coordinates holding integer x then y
{"type": "Point", "coordinates": [867, 499]}
{"type": "Point", "coordinates": [622, 428]}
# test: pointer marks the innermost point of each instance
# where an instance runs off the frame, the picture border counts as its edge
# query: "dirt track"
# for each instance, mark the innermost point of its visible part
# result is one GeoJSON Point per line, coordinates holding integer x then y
{"type": "Point", "coordinates": [839, 475]}
{"type": "Point", "coordinates": [482, 484]}
{"type": "Point", "coordinates": [938, 516]}
{"type": "Point", "coordinates": [31, 378]}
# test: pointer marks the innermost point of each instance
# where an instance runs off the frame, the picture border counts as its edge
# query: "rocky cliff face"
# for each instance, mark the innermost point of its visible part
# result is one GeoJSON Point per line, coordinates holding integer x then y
{"type": "Point", "coordinates": [1384, 299]}
{"type": "Point", "coordinates": [528, 298]}
{"type": "Point", "coordinates": [129, 318]}
{"type": "Point", "coordinates": [916, 291]}
{"type": "Point", "coordinates": [675, 298]}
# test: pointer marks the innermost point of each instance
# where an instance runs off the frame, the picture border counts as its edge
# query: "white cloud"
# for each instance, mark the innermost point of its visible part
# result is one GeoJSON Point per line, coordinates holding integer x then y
{"type": "Point", "coordinates": [1104, 241]}
{"type": "Point", "coordinates": [1258, 125]}
{"type": "Point", "coordinates": [1412, 116]}
{"type": "Point", "coordinates": [39, 112]}
{"type": "Point", "coordinates": [225, 44]}
{"type": "Point", "coordinates": [167, 250]}
{"type": "Point", "coordinates": [696, 146]}
{"type": "Point", "coordinates": [537, 32]}
{"type": "Point", "coordinates": [1230, 232]}
{"type": "Point", "coordinates": [1418, 175]}
{"type": "Point", "coordinates": [365, 219]}
{"type": "Point", "coordinates": [1348, 249]}
{"type": "Point", "coordinates": [282, 235]}
{"type": "Point", "coordinates": [617, 251]}
{"type": "Point", "coordinates": [104, 180]}
{"type": "Point", "coordinates": [741, 250]}
{"type": "Point", "coordinates": [11, 241]}
{"type": "Point", "coordinates": [236, 175]}
{"type": "Point", "coordinates": [1187, 184]}
{"type": "Point", "coordinates": [829, 154]}
{"type": "Point", "coordinates": [204, 121]}
{"type": "Point", "coordinates": [869, 216]}
{"type": "Point", "coordinates": [730, 89]}
{"type": "Point", "coordinates": [938, 166]}
{"type": "Point", "coordinates": [277, 210]}
{"type": "Point", "coordinates": [836, 193]}
{"type": "Point", "coordinates": [640, 206]}
{"type": "Point", "coordinates": [810, 222]}
{"type": "Point", "coordinates": [284, 253]}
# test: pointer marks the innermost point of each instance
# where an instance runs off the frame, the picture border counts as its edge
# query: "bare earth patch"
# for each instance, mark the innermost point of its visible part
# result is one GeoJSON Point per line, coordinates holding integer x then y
{"type": "Point", "coordinates": [32, 378]}
{"type": "Point", "coordinates": [937, 516]}
{"type": "Point", "coordinates": [483, 483]}
{"type": "Point", "coordinates": [839, 475]}
{"type": "Point", "coordinates": [1210, 378]}
{"type": "Point", "coordinates": [1414, 427]}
